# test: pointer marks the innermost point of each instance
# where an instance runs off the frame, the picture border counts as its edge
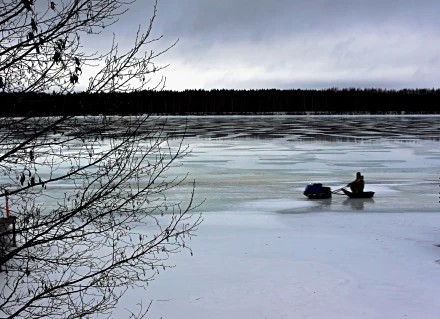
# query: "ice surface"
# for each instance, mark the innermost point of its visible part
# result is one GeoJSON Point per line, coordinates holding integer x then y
{"type": "Point", "coordinates": [266, 251]}
{"type": "Point", "coordinates": [402, 171]}
{"type": "Point", "coordinates": [320, 265]}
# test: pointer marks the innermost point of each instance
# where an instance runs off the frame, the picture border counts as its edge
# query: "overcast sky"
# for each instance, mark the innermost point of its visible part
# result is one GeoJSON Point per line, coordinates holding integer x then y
{"type": "Point", "coordinates": [244, 44]}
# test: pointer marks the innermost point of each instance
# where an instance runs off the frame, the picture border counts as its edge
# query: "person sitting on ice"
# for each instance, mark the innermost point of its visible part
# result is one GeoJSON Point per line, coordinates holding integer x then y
{"type": "Point", "coordinates": [357, 186]}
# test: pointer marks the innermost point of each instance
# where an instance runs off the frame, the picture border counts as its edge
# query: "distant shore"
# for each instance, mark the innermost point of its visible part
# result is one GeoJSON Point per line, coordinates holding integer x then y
{"type": "Point", "coordinates": [226, 102]}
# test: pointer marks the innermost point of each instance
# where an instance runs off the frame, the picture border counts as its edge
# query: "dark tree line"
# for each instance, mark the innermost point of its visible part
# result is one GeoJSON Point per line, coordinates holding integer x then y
{"type": "Point", "coordinates": [334, 101]}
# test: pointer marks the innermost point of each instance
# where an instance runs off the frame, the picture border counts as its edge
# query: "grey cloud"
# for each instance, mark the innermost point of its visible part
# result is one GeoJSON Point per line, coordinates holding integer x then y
{"type": "Point", "coordinates": [231, 18]}
{"type": "Point", "coordinates": [339, 43]}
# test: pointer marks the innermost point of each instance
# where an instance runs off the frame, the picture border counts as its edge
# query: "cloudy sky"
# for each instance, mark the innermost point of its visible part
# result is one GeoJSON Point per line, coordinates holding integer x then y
{"type": "Point", "coordinates": [245, 44]}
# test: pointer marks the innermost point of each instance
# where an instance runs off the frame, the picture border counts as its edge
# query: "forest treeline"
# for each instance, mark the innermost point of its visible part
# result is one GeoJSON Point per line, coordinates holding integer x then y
{"type": "Point", "coordinates": [328, 101]}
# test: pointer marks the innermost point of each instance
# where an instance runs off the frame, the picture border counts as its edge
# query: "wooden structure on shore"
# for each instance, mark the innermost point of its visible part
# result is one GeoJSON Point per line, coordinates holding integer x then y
{"type": "Point", "coordinates": [8, 235]}
{"type": "Point", "coordinates": [7, 228]}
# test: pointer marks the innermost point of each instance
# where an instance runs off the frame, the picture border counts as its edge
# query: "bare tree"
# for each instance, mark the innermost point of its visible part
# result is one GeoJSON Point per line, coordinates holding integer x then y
{"type": "Point", "coordinates": [94, 198]}
{"type": "Point", "coordinates": [94, 213]}
{"type": "Point", "coordinates": [42, 47]}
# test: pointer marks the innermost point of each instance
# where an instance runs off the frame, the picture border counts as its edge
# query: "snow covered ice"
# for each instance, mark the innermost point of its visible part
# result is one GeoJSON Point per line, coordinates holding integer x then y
{"type": "Point", "coordinates": [266, 251]}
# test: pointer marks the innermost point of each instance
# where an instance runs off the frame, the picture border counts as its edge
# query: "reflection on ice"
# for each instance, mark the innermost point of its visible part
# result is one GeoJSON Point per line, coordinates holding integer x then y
{"type": "Point", "coordinates": [358, 203]}
{"type": "Point", "coordinates": [272, 205]}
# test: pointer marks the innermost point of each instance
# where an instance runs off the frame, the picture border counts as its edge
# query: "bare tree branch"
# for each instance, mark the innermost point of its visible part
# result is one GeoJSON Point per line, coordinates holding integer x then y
{"type": "Point", "coordinates": [42, 47]}
{"type": "Point", "coordinates": [111, 224]}
{"type": "Point", "coordinates": [93, 199]}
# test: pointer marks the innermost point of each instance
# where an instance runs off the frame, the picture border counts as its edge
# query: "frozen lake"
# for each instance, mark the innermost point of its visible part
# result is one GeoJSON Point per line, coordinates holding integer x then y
{"type": "Point", "coordinates": [266, 251]}
{"type": "Point", "coordinates": [264, 163]}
